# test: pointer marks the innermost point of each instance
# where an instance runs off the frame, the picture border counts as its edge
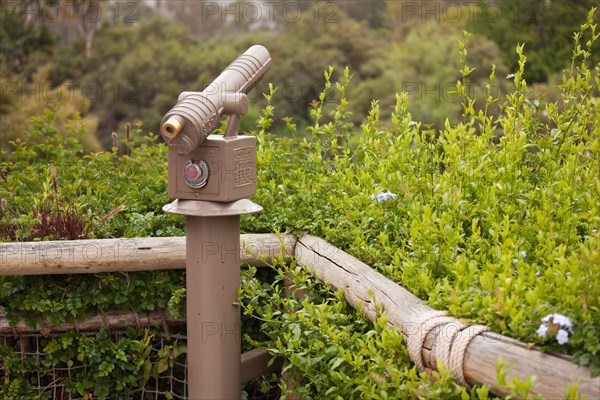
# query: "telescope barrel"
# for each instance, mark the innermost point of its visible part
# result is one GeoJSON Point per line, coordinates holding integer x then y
{"type": "Point", "coordinates": [197, 114]}
{"type": "Point", "coordinates": [242, 75]}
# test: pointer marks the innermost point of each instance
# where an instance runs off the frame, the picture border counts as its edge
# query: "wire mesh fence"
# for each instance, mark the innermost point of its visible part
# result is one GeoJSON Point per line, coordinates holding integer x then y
{"type": "Point", "coordinates": [60, 380]}
{"type": "Point", "coordinates": [57, 382]}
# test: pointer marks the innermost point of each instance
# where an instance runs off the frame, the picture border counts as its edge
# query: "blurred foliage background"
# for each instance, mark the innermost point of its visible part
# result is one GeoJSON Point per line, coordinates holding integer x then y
{"type": "Point", "coordinates": [117, 61]}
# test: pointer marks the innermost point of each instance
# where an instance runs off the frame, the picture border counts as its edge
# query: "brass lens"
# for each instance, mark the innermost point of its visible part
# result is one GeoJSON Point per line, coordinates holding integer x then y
{"type": "Point", "coordinates": [172, 127]}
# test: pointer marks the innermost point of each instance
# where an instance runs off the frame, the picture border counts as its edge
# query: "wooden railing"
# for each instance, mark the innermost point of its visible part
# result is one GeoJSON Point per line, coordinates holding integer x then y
{"type": "Point", "coordinates": [473, 351]}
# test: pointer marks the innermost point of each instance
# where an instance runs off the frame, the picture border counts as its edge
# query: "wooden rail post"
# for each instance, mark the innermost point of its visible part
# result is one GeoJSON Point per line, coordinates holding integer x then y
{"type": "Point", "coordinates": [126, 254]}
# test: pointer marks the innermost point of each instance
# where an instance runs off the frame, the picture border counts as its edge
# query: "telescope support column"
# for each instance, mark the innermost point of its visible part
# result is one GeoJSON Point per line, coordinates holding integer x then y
{"type": "Point", "coordinates": [212, 281]}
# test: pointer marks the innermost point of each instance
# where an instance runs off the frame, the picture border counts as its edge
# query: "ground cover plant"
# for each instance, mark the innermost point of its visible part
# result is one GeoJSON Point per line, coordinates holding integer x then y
{"type": "Point", "coordinates": [495, 219]}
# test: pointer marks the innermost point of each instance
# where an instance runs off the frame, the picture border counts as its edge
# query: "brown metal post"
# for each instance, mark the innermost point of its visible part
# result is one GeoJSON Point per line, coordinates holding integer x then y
{"type": "Point", "coordinates": [213, 322]}
{"type": "Point", "coordinates": [212, 281]}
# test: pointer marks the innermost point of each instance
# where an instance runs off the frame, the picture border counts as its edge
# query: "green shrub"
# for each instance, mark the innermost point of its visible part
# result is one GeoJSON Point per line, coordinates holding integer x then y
{"type": "Point", "coordinates": [495, 219]}
{"type": "Point", "coordinates": [544, 27]}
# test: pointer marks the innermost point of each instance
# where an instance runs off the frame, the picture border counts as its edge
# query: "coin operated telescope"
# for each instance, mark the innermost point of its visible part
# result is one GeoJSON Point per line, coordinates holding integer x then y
{"type": "Point", "coordinates": [210, 177]}
{"type": "Point", "coordinates": [204, 166]}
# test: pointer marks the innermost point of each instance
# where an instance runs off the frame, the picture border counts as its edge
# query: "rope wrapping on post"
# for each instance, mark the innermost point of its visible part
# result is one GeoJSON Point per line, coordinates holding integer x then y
{"type": "Point", "coordinates": [458, 349]}
{"type": "Point", "coordinates": [444, 344]}
{"type": "Point", "coordinates": [449, 349]}
{"type": "Point", "coordinates": [427, 322]}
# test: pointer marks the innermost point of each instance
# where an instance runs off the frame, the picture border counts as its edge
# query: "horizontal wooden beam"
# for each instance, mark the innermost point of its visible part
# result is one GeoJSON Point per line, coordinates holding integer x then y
{"type": "Point", "coordinates": [113, 320]}
{"type": "Point", "coordinates": [256, 363]}
{"type": "Point", "coordinates": [126, 255]}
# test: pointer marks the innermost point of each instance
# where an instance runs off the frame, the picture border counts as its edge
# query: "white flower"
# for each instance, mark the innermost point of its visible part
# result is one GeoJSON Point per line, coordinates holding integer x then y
{"type": "Point", "coordinates": [560, 320]}
{"type": "Point", "coordinates": [522, 254]}
{"type": "Point", "coordinates": [562, 336]}
{"type": "Point", "coordinates": [538, 274]}
{"type": "Point", "coordinates": [542, 330]}
{"type": "Point", "coordinates": [563, 323]}
{"type": "Point", "coordinates": [515, 261]}
{"type": "Point", "coordinates": [382, 197]}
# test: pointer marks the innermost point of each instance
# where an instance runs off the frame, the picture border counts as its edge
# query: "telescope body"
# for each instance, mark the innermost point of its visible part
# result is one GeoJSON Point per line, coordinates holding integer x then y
{"type": "Point", "coordinates": [231, 167]}
{"type": "Point", "coordinates": [204, 166]}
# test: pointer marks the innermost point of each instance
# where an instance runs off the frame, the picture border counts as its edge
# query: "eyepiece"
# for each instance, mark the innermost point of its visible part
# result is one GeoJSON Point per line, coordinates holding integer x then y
{"type": "Point", "coordinates": [172, 127]}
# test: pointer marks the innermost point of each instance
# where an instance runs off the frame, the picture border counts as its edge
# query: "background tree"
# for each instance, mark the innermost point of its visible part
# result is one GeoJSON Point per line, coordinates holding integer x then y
{"type": "Point", "coordinates": [197, 15]}
{"type": "Point", "coordinates": [546, 27]}
{"type": "Point", "coordinates": [34, 97]}
{"type": "Point", "coordinates": [139, 65]}
{"type": "Point", "coordinates": [371, 12]}
{"type": "Point", "coordinates": [20, 37]}
{"type": "Point", "coordinates": [87, 15]}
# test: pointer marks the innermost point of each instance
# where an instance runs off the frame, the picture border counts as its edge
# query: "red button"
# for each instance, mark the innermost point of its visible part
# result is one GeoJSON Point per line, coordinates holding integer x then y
{"type": "Point", "coordinates": [192, 172]}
